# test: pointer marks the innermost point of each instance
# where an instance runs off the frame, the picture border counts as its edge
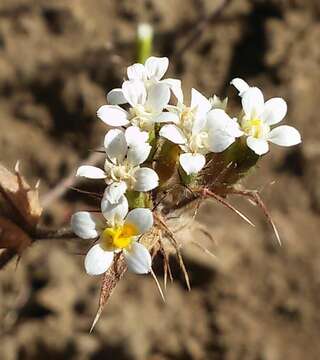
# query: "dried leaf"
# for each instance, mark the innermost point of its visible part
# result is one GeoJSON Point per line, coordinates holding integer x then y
{"type": "Point", "coordinates": [23, 199]}
{"type": "Point", "coordinates": [109, 282]}
{"type": "Point", "coordinates": [12, 237]}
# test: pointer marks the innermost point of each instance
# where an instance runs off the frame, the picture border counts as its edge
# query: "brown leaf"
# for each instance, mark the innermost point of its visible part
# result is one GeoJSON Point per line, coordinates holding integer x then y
{"type": "Point", "coordinates": [23, 199]}
{"type": "Point", "coordinates": [12, 237]}
{"type": "Point", "coordinates": [109, 282]}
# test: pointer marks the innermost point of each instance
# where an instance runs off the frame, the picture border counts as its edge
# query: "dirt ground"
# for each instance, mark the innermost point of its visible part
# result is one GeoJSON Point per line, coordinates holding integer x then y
{"type": "Point", "coordinates": [257, 301]}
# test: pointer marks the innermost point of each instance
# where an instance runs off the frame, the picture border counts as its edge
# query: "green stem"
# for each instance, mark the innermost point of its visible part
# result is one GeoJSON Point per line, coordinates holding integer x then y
{"type": "Point", "coordinates": [144, 42]}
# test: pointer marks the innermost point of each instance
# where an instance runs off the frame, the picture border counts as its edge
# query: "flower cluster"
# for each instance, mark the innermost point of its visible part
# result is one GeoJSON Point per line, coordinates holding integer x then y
{"type": "Point", "coordinates": [147, 112]}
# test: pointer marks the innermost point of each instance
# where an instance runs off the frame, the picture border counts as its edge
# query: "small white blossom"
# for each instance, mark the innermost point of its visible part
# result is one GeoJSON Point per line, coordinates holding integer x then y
{"type": "Point", "coordinates": [117, 232]}
{"type": "Point", "coordinates": [260, 116]}
{"type": "Point", "coordinates": [126, 151]}
{"type": "Point", "coordinates": [150, 73]}
{"type": "Point", "coordinates": [199, 129]}
{"type": "Point", "coordinates": [146, 104]}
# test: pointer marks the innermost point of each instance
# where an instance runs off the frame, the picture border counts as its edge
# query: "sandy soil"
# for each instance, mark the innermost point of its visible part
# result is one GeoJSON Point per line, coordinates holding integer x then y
{"type": "Point", "coordinates": [257, 301]}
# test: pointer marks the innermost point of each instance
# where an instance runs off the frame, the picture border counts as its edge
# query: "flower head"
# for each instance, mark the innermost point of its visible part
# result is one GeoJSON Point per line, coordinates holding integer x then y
{"type": "Point", "coordinates": [118, 232]}
{"type": "Point", "coordinates": [146, 103]}
{"type": "Point", "coordinates": [146, 93]}
{"type": "Point", "coordinates": [260, 116]}
{"type": "Point", "coordinates": [126, 151]}
{"type": "Point", "coordinates": [199, 129]}
{"type": "Point", "coordinates": [150, 73]}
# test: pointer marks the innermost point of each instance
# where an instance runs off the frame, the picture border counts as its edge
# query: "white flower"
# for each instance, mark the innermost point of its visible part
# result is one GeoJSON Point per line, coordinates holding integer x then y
{"type": "Point", "coordinates": [260, 116]}
{"type": "Point", "coordinates": [118, 232]}
{"type": "Point", "coordinates": [199, 130]}
{"type": "Point", "coordinates": [150, 73]}
{"type": "Point", "coordinates": [125, 151]}
{"type": "Point", "coordinates": [146, 103]}
{"type": "Point", "coordinates": [188, 130]}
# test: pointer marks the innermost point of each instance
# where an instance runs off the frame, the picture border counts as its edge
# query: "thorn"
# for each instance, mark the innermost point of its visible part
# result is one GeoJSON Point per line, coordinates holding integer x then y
{"type": "Point", "coordinates": [91, 193]}
{"type": "Point", "coordinates": [97, 151]}
{"type": "Point", "coordinates": [275, 231]}
{"type": "Point", "coordinates": [99, 312]}
{"type": "Point", "coordinates": [255, 197]}
{"type": "Point", "coordinates": [165, 265]}
{"type": "Point", "coordinates": [174, 243]}
{"type": "Point", "coordinates": [37, 185]}
{"type": "Point", "coordinates": [204, 249]}
{"type": "Point", "coordinates": [166, 269]}
{"type": "Point", "coordinates": [165, 274]}
{"type": "Point", "coordinates": [17, 262]}
{"type": "Point", "coordinates": [160, 201]}
{"type": "Point", "coordinates": [184, 270]}
{"type": "Point", "coordinates": [158, 285]}
{"type": "Point", "coordinates": [206, 233]}
{"type": "Point", "coordinates": [231, 207]}
{"type": "Point", "coordinates": [17, 167]}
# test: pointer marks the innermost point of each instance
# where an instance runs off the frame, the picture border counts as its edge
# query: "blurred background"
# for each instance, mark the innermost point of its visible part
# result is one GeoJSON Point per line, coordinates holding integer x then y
{"type": "Point", "coordinates": [259, 301]}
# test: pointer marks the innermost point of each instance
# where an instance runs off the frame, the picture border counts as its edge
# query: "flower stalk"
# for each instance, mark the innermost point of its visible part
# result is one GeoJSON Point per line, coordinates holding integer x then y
{"type": "Point", "coordinates": [144, 42]}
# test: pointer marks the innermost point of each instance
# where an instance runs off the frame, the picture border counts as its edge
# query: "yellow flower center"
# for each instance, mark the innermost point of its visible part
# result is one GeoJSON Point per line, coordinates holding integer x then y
{"type": "Point", "coordinates": [119, 237]}
{"type": "Point", "coordinates": [253, 127]}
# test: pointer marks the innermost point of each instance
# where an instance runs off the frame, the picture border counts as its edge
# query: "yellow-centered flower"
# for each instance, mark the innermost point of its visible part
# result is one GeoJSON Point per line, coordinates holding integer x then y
{"type": "Point", "coordinates": [119, 232]}
{"type": "Point", "coordinates": [260, 116]}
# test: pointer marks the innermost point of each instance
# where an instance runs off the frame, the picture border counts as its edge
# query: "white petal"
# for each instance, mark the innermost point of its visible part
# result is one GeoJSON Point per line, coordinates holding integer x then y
{"type": "Point", "coordinates": [233, 128]}
{"type": "Point", "coordinates": [114, 212]}
{"type": "Point", "coordinates": [134, 92]}
{"type": "Point", "coordinates": [167, 116]}
{"type": "Point", "coordinates": [156, 67]}
{"type": "Point", "coordinates": [135, 136]}
{"type": "Point", "coordinates": [141, 218]}
{"type": "Point", "coordinates": [274, 111]}
{"type": "Point", "coordinates": [116, 97]}
{"type": "Point", "coordinates": [219, 141]}
{"type": "Point", "coordinates": [157, 98]}
{"type": "Point", "coordinates": [240, 85]}
{"type": "Point", "coordinates": [173, 133]}
{"type": "Point", "coordinates": [175, 86]}
{"type": "Point", "coordinates": [285, 136]}
{"type": "Point", "coordinates": [222, 130]}
{"type": "Point", "coordinates": [85, 225]}
{"type": "Point", "coordinates": [199, 101]}
{"type": "Point", "coordinates": [114, 191]}
{"type": "Point", "coordinates": [192, 163]}
{"type": "Point", "coordinates": [115, 144]}
{"type": "Point", "coordinates": [97, 260]}
{"type": "Point", "coordinates": [219, 120]}
{"type": "Point", "coordinates": [198, 124]}
{"type": "Point", "coordinates": [259, 146]}
{"type": "Point", "coordinates": [113, 115]}
{"type": "Point", "coordinates": [91, 172]}
{"type": "Point", "coordinates": [253, 102]}
{"type": "Point", "coordinates": [136, 72]}
{"type": "Point", "coordinates": [138, 153]}
{"type": "Point", "coordinates": [138, 259]}
{"type": "Point", "coordinates": [146, 179]}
